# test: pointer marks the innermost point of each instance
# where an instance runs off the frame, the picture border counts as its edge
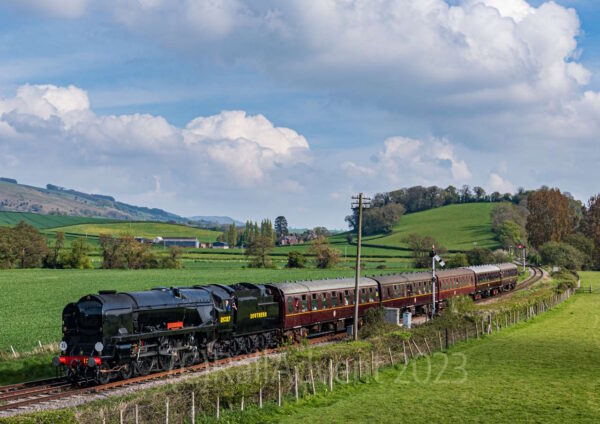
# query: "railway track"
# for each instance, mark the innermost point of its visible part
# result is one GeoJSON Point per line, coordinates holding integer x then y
{"type": "Point", "coordinates": [19, 396]}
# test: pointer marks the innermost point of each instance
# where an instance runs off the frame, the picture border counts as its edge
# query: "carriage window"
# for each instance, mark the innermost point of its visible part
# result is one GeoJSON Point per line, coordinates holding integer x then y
{"type": "Point", "coordinates": [324, 301]}
{"type": "Point", "coordinates": [334, 299]}
{"type": "Point", "coordinates": [290, 304]}
{"type": "Point", "coordinates": [346, 297]}
{"type": "Point", "coordinates": [363, 296]}
{"type": "Point", "coordinates": [390, 292]}
{"type": "Point", "coordinates": [304, 303]}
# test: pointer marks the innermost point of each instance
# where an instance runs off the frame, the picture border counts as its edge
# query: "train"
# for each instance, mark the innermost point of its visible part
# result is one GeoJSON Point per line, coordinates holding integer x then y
{"type": "Point", "coordinates": [112, 335]}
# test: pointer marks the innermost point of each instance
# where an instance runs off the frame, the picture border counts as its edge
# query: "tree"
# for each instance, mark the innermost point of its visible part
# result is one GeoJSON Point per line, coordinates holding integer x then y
{"type": "Point", "coordinates": [509, 234]}
{"type": "Point", "coordinates": [548, 218]}
{"type": "Point", "coordinates": [231, 235]}
{"type": "Point", "coordinates": [172, 260]}
{"type": "Point", "coordinates": [591, 226]}
{"type": "Point", "coordinates": [585, 245]}
{"type": "Point", "coordinates": [479, 193]}
{"type": "Point", "coordinates": [8, 255]}
{"type": "Point", "coordinates": [258, 251]}
{"type": "Point", "coordinates": [480, 256]}
{"type": "Point", "coordinates": [561, 254]}
{"type": "Point", "coordinates": [325, 255]}
{"type": "Point", "coordinates": [52, 260]}
{"type": "Point", "coordinates": [377, 220]}
{"type": "Point", "coordinates": [457, 261]}
{"type": "Point", "coordinates": [281, 227]}
{"type": "Point", "coordinates": [495, 196]}
{"type": "Point", "coordinates": [111, 252]}
{"type": "Point", "coordinates": [29, 245]}
{"type": "Point", "coordinates": [78, 258]}
{"type": "Point", "coordinates": [421, 246]}
{"type": "Point", "coordinates": [321, 232]}
{"type": "Point", "coordinates": [465, 194]}
{"type": "Point", "coordinates": [295, 259]}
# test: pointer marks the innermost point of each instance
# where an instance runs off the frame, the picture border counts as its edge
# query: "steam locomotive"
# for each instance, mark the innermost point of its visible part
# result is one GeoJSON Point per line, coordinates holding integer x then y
{"type": "Point", "coordinates": [113, 335]}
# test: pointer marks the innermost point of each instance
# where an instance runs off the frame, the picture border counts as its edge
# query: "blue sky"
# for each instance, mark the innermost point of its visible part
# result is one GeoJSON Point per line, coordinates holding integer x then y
{"type": "Point", "coordinates": [256, 109]}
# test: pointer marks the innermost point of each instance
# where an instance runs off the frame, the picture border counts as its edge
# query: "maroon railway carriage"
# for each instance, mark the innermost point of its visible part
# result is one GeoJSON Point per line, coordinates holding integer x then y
{"type": "Point", "coordinates": [454, 282]}
{"type": "Point", "coordinates": [409, 291]}
{"type": "Point", "coordinates": [322, 306]}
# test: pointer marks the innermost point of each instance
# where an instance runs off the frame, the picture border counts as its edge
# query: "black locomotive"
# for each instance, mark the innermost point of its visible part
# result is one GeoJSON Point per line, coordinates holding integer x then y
{"type": "Point", "coordinates": [112, 334]}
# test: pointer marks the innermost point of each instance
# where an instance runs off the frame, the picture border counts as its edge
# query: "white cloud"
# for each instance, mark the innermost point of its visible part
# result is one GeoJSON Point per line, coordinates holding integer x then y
{"type": "Point", "coordinates": [231, 147]}
{"type": "Point", "coordinates": [499, 184]}
{"type": "Point", "coordinates": [408, 161]}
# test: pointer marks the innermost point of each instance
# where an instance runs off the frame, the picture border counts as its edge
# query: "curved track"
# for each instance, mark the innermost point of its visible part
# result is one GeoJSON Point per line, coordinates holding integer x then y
{"type": "Point", "coordinates": [19, 396]}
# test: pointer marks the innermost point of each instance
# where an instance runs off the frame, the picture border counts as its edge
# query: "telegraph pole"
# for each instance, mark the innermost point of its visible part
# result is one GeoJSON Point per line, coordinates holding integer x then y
{"type": "Point", "coordinates": [358, 204]}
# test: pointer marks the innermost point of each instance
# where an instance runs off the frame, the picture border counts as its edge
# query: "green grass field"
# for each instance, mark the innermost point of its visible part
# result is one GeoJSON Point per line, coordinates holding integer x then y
{"type": "Point", "coordinates": [456, 227]}
{"type": "Point", "coordinates": [44, 222]}
{"type": "Point", "coordinates": [547, 370]}
{"type": "Point", "coordinates": [142, 229]}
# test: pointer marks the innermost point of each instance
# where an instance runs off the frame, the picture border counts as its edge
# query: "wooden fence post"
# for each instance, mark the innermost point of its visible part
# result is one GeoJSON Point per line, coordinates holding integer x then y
{"type": "Point", "coordinates": [278, 388]}
{"type": "Point", "coordinates": [391, 357]}
{"type": "Point", "coordinates": [347, 372]}
{"type": "Point", "coordinates": [331, 375]}
{"type": "Point", "coordinates": [193, 410]}
{"type": "Point", "coordinates": [372, 362]}
{"type": "Point", "coordinates": [312, 382]}
{"type": "Point", "coordinates": [102, 416]}
{"type": "Point", "coordinates": [121, 410]}
{"type": "Point", "coordinates": [427, 345]}
{"type": "Point", "coordinates": [260, 396]}
{"type": "Point", "coordinates": [13, 351]}
{"type": "Point", "coordinates": [40, 344]}
{"type": "Point", "coordinates": [419, 350]}
{"type": "Point", "coordinates": [137, 414]}
{"type": "Point", "coordinates": [447, 338]}
{"type": "Point", "coordinates": [476, 330]}
{"type": "Point", "coordinates": [359, 367]}
{"type": "Point", "coordinates": [242, 405]}
{"type": "Point", "coordinates": [296, 382]}
{"type": "Point", "coordinates": [404, 352]}
{"type": "Point", "coordinates": [167, 410]}
{"type": "Point", "coordinates": [440, 337]}
{"type": "Point", "coordinates": [218, 408]}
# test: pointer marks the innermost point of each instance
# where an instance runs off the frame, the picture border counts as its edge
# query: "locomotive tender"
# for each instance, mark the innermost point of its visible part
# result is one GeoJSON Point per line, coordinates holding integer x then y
{"type": "Point", "coordinates": [116, 335]}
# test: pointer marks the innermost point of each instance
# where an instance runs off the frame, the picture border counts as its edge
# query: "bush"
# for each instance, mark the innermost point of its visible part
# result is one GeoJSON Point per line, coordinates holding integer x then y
{"type": "Point", "coordinates": [561, 254]}
{"type": "Point", "coordinates": [457, 261]}
{"type": "Point", "coordinates": [480, 256]}
{"type": "Point", "coordinates": [565, 279]}
{"type": "Point", "coordinates": [326, 257]}
{"type": "Point", "coordinates": [295, 260]}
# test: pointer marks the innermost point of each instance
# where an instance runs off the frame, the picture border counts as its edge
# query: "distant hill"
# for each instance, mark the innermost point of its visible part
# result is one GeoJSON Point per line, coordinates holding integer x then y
{"type": "Point", "coordinates": [55, 200]}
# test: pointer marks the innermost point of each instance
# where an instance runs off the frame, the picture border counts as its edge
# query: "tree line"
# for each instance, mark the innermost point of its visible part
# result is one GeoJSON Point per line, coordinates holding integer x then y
{"type": "Point", "coordinates": [23, 246]}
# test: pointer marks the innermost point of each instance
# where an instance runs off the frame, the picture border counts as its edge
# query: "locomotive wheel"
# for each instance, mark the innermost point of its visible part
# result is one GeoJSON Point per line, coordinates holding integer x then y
{"type": "Point", "coordinates": [234, 348]}
{"type": "Point", "coordinates": [104, 374]}
{"type": "Point", "coordinates": [188, 359]}
{"type": "Point", "coordinates": [261, 341]}
{"type": "Point", "coordinates": [144, 366]}
{"type": "Point", "coordinates": [126, 371]}
{"type": "Point", "coordinates": [166, 362]}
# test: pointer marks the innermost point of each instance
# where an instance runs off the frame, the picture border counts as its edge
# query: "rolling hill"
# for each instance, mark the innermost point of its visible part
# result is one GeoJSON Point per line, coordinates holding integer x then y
{"type": "Point", "coordinates": [56, 200]}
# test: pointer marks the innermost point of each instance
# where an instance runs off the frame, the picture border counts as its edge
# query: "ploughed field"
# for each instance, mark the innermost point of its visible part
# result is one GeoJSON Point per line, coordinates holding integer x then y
{"type": "Point", "coordinates": [547, 370]}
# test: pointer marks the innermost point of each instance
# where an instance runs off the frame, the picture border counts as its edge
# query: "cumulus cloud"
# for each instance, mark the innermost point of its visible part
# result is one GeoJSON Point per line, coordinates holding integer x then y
{"type": "Point", "coordinates": [499, 184]}
{"type": "Point", "coordinates": [406, 160]}
{"type": "Point", "coordinates": [60, 8]}
{"type": "Point", "coordinates": [231, 146]}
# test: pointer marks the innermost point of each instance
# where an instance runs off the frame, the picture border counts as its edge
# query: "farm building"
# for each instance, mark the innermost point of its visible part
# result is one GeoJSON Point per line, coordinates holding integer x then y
{"type": "Point", "coordinates": [290, 240]}
{"type": "Point", "coordinates": [205, 245]}
{"type": "Point", "coordinates": [181, 242]}
{"type": "Point", "coordinates": [220, 245]}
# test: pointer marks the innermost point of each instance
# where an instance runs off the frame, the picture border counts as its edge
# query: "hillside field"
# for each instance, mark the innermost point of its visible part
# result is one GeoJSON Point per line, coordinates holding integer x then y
{"type": "Point", "coordinates": [43, 222]}
{"type": "Point", "coordinates": [142, 229]}
{"type": "Point", "coordinates": [546, 370]}
{"type": "Point", "coordinates": [456, 227]}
